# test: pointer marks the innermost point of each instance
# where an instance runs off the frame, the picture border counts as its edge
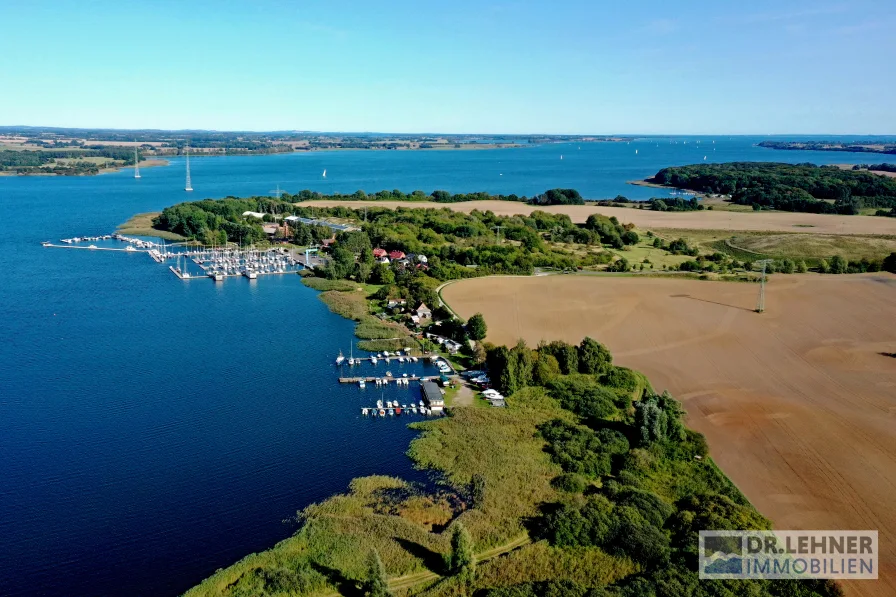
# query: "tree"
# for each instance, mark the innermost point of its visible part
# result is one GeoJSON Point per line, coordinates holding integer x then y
{"type": "Point", "coordinates": [523, 363]}
{"type": "Point", "coordinates": [546, 368]}
{"type": "Point", "coordinates": [461, 559]}
{"type": "Point", "coordinates": [382, 274]}
{"type": "Point", "coordinates": [889, 264]}
{"type": "Point", "coordinates": [839, 265]}
{"type": "Point", "coordinates": [377, 584]}
{"type": "Point", "coordinates": [476, 327]}
{"type": "Point", "coordinates": [566, 354]}
{"type": "Point", "coordinates": [788, 266]}
{"type": "Point", "coordinates": [479, 354]}
{"type": "Point", "coordinates": [477, 490]}
{"type": "Point", "coordinates": [594, 358]}
{"type": "Point", "coordinates": [801, 267]}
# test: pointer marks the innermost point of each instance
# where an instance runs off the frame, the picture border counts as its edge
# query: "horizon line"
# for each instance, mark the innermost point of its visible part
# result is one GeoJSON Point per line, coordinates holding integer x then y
{"type": "Point", "coordinates": [433, 133]}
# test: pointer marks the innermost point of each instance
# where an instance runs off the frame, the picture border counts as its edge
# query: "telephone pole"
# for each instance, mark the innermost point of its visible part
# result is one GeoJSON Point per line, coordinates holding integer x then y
{"type": "Point", "coordinates": [760, 305]}
{"type": "Point", "coordinates": [497, 230]}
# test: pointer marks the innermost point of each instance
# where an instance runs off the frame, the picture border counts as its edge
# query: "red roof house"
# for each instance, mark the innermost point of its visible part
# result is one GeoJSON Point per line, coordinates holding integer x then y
{"type": "Point", "coordinates": [379, 253]}
{"type": "Point", "coordinates": [396, 255]}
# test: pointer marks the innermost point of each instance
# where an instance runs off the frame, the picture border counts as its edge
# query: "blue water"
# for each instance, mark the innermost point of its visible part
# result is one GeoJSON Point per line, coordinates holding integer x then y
{"type": "Point", "coordinates": [153, 430]}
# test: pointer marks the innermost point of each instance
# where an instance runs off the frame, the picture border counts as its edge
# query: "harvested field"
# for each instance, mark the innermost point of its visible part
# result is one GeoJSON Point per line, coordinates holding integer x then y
{"type": "Point", "coordinates": [798, 404]}
{"type": "Point", "coordinates": [648, 220]}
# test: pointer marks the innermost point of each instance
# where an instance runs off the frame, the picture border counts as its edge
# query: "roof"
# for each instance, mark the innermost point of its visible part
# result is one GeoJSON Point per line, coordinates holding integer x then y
{"type": "Point", "coordinates": [380, 252]}
{"type": "Point", "coordinates": [396, 254]}
{"type": "Point", "coordinates": [271, 229]}
{"type": "Point", "coordinates": [431, 392]}
{"type": "Point", "coordinates": [422, 307]}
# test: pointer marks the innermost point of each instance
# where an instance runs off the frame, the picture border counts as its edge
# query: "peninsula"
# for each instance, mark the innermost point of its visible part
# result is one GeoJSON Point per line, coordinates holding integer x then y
{"type": "Point", "coordinates": [886, 145]}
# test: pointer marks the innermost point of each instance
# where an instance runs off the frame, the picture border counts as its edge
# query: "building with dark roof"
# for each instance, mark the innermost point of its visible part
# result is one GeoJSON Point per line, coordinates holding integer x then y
{"type": "Point", "coordinates": [432, 397]}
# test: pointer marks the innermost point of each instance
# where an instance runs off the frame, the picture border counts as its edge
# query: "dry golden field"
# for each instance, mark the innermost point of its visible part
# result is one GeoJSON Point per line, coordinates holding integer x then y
{"type": "Point", "coordinates": [798, 404]}
{"type": "Point", "coordinates": [649, 220]}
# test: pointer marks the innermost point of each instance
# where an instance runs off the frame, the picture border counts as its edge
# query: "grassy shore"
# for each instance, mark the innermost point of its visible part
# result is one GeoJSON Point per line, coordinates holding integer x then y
{"type": "Point", "coordinates": [352, 301]}
{"type": "Point", "coordinates": [410, 528]}
{"type": "Point", "coordinates": [141, 225]}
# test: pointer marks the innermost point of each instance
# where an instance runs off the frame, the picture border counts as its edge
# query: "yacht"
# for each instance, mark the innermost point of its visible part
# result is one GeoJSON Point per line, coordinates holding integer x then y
{"type": "Point", "coordinates": [361, 384]}
{"type": "Point", "coordinates": [340, 359]}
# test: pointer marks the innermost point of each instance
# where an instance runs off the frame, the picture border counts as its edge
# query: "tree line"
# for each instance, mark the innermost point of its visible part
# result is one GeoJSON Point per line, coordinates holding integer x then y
{"type": "Point", "coordinates": [787, 187]}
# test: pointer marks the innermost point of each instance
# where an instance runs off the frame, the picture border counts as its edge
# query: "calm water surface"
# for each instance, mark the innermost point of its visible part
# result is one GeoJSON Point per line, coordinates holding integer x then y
{"type": "Point", "coordinates": [153, 430]}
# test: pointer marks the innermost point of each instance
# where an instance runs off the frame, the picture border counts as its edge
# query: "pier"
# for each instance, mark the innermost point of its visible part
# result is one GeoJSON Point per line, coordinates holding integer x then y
{"type": "Point", "coordinates": [387, 380]}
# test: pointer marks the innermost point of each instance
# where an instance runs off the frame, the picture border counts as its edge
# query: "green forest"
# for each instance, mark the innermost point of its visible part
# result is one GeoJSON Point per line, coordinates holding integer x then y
{"type": "Point", "coordinates": [787, 187]}
{"type": "Point", "coordinates": [586, 484]}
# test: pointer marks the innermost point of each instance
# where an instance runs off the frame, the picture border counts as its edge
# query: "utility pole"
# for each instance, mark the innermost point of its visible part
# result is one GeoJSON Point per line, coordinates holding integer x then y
{"type": "Point", "coordinates": [760, 305]}
{"type": "Point", "coordinates": [497, 230]}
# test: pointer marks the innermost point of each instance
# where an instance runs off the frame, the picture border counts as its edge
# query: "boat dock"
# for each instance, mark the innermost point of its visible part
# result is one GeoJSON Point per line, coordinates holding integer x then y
{"type": "Point", "coordinates": [95, 248]}
{"type": "Point", "coordinates": [387, 380]}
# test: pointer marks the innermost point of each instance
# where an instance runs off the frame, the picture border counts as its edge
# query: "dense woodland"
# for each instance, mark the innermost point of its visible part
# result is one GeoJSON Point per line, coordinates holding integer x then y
{"type": "Point", "coordinates": [788, 187]}
{"type": "Point", "coordinates": [876, 167]}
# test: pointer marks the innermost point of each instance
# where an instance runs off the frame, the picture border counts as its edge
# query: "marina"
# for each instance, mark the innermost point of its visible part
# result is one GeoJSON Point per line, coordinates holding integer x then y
{"type": "Point", "coordinates": [216, 263]}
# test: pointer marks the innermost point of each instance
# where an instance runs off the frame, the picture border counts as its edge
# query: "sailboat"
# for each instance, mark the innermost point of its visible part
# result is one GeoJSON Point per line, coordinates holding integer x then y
{"type": "Point", "coordinates": [636, 152]}
{"type": "Point", "coordinates": [561, 156]}
{"type": "Point", "coordinates": [325, 173]}
{"type": "Point", "coordinates": [340, 359]}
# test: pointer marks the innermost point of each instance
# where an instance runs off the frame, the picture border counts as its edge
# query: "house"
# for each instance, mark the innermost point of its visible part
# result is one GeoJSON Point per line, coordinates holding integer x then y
{"type": "Point", "coordinates": [432, 397]}
{"type": "Point", "coordinates": [327, 243]}
{"type": "Point", "coordinates": [452, 346]}
{"type": "Point", "coordinates": [396, 255]}
{"type": "Point", "coordinates": [379, 253]}
{"type": "Point", "coordinates": [396, 303]}
{"type": "Point", "coordinates": [271, 229]}
{"type": "Point", "coordinates": [384, 260]}
{"type": "Point", "coordinates": [423, 312]}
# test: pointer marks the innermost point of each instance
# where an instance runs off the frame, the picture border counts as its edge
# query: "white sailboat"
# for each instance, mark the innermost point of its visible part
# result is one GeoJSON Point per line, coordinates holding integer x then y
{"type": "Point", "coordinates": [325, 173]}
{"type": "Point", "coordinates": [340, 359]}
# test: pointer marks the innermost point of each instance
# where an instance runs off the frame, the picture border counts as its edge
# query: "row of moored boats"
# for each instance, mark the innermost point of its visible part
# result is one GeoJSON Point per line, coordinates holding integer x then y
{"type": "Point", "coordinates": [393, 408]}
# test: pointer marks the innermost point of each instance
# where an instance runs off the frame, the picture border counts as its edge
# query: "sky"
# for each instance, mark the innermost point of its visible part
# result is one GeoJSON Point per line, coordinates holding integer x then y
{"type": "Point", "coordinates": [465, 66]}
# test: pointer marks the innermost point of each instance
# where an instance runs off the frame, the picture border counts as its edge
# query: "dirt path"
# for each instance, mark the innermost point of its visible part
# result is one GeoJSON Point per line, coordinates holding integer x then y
{"type": "Point", "coordinates": [418, 578]}
{"type": "Point", "coordinates": [798, 404]}
{"type": "Point", "coordinates": [648, 220]}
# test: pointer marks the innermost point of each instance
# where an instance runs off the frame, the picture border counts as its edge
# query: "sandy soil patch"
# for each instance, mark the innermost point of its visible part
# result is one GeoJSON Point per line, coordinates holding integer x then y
{"type": "Point", "coordinates": [798, 404]}
{"type": "Point", "coordinates": [647, 220]}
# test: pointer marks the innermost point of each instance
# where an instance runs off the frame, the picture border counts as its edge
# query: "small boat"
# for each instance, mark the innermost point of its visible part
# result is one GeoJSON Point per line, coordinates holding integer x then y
{"type": "Point", "coordinates": [361, 384]}
{"type": "Point", "coordinates": [373, 360]}
{"type": "Point", "coordinates": [379, 404]}
{"type": "Point", "coordinates": [391, 412]}
{"type": "Point", "coordinates": [325, 173]}
{"type": "Point", "coordinates": [421, 404]}
{"type": "Point", "coordinates": [404, 374]}
{"type": "Point", "coordinates": [398, 411]}
{"type": "Point", "coordinates": [388, 374]}
{"type": "Point", "coordinates": [340, 359]}
{"type": "Point", "coordinates": [382, 413]}
{"type": "Point", "coordinates": [364, 411]}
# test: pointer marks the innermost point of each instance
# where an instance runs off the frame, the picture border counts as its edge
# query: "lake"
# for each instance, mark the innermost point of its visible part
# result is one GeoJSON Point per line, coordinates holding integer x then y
{"type": "Point", "coordinates": [153, 430]}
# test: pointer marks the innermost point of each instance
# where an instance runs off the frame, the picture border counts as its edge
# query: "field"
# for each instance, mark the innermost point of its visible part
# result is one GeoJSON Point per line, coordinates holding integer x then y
{"type": "Point", "coordinates": [798, 404]}
{"type": "Point", "coordinates": [651, 220]}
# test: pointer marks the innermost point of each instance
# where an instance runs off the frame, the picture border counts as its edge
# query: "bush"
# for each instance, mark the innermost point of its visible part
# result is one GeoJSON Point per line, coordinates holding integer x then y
{"type": "Point", "coordinates": [570, 483]}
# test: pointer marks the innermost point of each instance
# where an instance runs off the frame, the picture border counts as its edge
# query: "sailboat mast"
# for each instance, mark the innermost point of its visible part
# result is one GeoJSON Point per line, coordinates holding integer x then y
{"type": "Point", "coordinates": [189, 185]}
{"type": "Point", "coordinates": [136, 162]}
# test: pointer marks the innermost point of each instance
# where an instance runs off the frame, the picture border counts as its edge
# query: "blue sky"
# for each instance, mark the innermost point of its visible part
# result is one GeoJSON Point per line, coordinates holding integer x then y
{"type": "Point", "coordinates": [657, 66]}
